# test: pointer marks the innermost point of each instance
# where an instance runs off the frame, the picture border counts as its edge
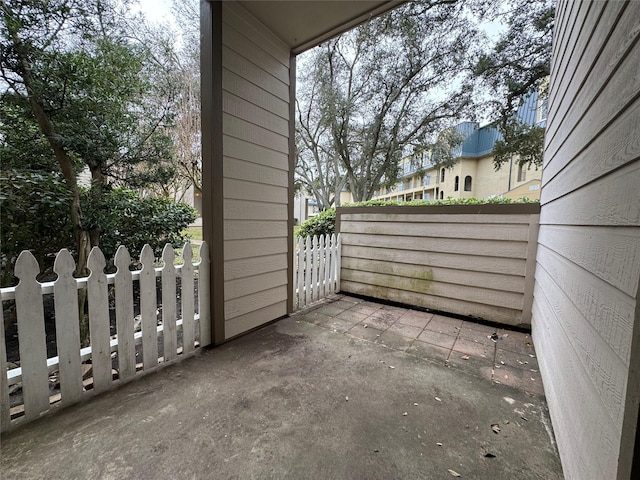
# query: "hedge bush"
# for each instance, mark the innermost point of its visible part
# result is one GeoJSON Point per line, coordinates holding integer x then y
{"type": "Point", "coordinates": [322, 224]}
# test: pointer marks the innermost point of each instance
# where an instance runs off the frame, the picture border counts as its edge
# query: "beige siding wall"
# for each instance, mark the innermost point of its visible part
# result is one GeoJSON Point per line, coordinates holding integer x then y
{"type": "Point", "coordinates": [469, 260]}
{"type": "Point", "coordinates": [585, 312]}
{"type": "Point", "coordinates": [255, 100]}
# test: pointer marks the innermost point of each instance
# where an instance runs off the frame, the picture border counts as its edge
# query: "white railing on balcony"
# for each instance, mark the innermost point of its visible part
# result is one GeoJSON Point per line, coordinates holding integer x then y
{"type": "Point", "coordinates": [316, 269]}
{"type": "Point", "coordinates": [118, 351]}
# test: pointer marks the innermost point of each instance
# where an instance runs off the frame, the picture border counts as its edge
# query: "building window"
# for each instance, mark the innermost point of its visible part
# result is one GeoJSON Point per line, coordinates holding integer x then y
{"type": "Point", "coordinates": [426, 180]}
{"type": "Point", "coordinates": [441, 195]}
{"type": "Point", "coordinates": [467, 183]}
{"type": "Point", "coordinates": [522, 173]}
{"type": "Point", "coordinates": [442, 175]}
{"type": "Point", "coordinates": [456, 184]}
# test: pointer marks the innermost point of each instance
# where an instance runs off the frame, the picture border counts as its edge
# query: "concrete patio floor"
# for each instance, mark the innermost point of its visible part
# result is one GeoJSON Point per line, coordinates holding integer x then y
{"type": "Point", "coordinates": [347, 389]}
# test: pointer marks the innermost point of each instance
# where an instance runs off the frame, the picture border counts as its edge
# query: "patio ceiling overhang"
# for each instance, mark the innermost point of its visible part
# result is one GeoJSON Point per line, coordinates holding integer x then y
{"type": "Point", "coordinates": [305, 24]}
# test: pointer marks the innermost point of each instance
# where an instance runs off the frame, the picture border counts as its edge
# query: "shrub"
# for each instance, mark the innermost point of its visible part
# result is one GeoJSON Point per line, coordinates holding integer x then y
{"type": "Point", "coordinates": [446, 201]}
{"type": "Point", "coordinates": [34, 214]}
{"type": "Point", "coordinates": [322, 224]}
{"type": "Point", "coordinates": [125, 218]}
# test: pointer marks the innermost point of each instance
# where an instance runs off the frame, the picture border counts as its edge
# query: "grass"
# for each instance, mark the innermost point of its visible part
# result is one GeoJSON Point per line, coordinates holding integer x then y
{"type": "Point", "coordinates": [194, 233]}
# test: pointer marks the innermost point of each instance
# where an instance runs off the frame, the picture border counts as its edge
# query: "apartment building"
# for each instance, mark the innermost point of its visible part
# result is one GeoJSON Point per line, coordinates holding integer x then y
{"type": "Point", "coordinates": [474, 174]}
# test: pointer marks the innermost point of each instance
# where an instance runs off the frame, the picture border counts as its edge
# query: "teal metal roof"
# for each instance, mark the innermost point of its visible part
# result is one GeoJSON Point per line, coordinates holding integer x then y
{"type": "Point", "coordinates": [479, 141]}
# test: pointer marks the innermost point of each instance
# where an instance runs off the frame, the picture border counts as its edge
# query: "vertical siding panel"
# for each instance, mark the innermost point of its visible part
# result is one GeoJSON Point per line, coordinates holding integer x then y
{"type": "Point", "coordinates": [97, 296]}
{"type": "Point", "coordinates": [33, 349]}
{"type": "Point", "coordinates": [65, 294]}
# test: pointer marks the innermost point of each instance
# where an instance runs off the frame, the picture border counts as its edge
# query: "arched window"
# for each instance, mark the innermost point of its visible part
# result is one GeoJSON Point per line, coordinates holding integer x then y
{"type": "Point", "coordinates": [522, 173]}
{"type": "Point", "coordinates": [441, 195]}
{"type": "Point", "coordinates": [442, 175]}
{"type": "Point", "coordinates": [467, 183]}
{"type": "Point", "coordinates": [456, 184]}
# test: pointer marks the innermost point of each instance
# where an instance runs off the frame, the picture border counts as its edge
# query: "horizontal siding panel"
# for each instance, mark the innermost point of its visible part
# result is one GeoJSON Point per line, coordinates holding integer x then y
{"type": "Point", "coordinates": [439, 230]}
{"type": "Point", "coordinates": [246, 286]}
{"type": "Point", "coordinates": [577, 418]}
{"type": "Point", "coordinates": [493, 281]}
{"type": "Point", "coordinates": [598, 363]}
{"type": "Point", "coordinates": [507, 266]}
{"type": "Point", "coordinates": [614, 311]}
{"type": "Point", "coordinates": [433, 288]}
{"type": "Point", "coordinates": [588, 81]}
{"type": "Point", "coordinates": [246, 48]}
{"type": "Point", "coordinates": [617, 202]}
{"type": "Point", "coordinates": [250, 132]}
{"type": "Point", "coordinates": [247, 111]}
{"type": "Point", "coordinates": [241, 20]}
{"type": "Point", "coordinates": [255, 301]}
{"type": "Point", "coordinates": [576, 47]}
{"type": "Point", "coordinates": [253, 172]}
{"type": "Point", "coordinates": [246, 190]}
{"type": "Point", "coordinates": [246, 267]}
{"type": "Point", "coordinates": [244, 323]}
{"type": "Point", "coordinates": [235, 249]}
{"type": "Point", "coordinates": [436, 218]}
{"type": "Point", "coordinates": [256, 154]}
{"type": "Point", "coordinates": [610, 253]}
{"type": "Point", "coordinates": [254, 74]}
{"type": "Point", "coordinates": [253, 210]}
{"type": "Point", "coordinates": [507, 249]}
{"type": "Point", "coordinates": [250, 229]}
{"type": "Point", "coordinates": [617, 145]}
{"type": "Point", "coordinates": [240, 87]}
{"type": "Point", "coordinates": [493, 313]}
{"type": "Point", "coordinates": [618, 92]}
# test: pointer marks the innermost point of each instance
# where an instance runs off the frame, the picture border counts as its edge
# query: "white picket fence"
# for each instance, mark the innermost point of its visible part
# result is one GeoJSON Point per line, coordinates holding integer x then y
{"type": "Point", "coordinates": [109, 360]}
{"type": "Point", "coordinates": [316, 267]}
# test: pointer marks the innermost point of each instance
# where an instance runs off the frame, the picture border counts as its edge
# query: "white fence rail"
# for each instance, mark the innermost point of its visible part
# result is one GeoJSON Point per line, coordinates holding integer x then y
{"type": "Point", "coordinates": [316, 269]}
{"type": "Point", "coordinates": [111, 359]}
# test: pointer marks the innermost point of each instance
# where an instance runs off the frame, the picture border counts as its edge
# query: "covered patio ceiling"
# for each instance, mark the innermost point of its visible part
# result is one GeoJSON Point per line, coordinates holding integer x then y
{"type": "Point", "coordinates": [305, 24]}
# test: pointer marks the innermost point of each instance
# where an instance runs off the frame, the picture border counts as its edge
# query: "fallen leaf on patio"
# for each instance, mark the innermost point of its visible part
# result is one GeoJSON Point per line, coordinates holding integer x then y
{"type": "Point", "coordinates": [365, 325]}
{"type": "Point", "coordinates": [532, 356]}
{"type": "Point", "coordinates": [505, 335]}
{"type": "Point", "coordinates": [415, 404]}
{"type": "Point", "coordinates": [376, 450]}
{"type": "Point", "coordinates": [501, 362]}
{"type": "Point", "coordinates": [438, 399]}
{"type": "Point", "coordinates": [391, 367]}
{"type": "Point", "coordinates": [495, 427]}
{"type": "Point", "coordinates": [438, 444]}
{"type": "Point", "coordinates": [489, 455]}
{"type": "Point", "coordinates": [454, 473]}
{"type": "Point", "coordinates": [509, 400]}
{"type": "Point", "coordinates": [346, 398]}
{"type": "Point", "coordinates": [465, 357]}
{"type": "Point", "coordinates": [405, 414]}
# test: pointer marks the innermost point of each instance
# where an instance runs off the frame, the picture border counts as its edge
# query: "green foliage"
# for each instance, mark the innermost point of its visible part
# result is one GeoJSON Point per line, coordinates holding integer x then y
{"type": "Point", "coordinates": [519, 65]}
{"type": "Point", "coordinates": [124, 218]}
{"type": "Point", "coordinates": [446, 201]}
{"type": "Point", "coordinates": [521, 140]}
{"type": "Point", "coordinates": [322, 224]}
{"type": "Point", "coordinates": [34, 214]}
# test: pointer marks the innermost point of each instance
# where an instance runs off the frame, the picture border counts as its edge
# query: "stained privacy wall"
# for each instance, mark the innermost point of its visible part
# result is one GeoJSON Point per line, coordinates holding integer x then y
{"type": "Point", "coordinates": [585, 310]}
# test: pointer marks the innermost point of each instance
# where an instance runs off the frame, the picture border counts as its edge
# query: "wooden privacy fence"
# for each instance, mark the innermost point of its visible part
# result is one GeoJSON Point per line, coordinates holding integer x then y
{"type": "Point", "coordinates": [472, 260]}
{"type": "Point", "coordinates": [316, 268]}
{"type": "Point", "coordinates": [118, 351]}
